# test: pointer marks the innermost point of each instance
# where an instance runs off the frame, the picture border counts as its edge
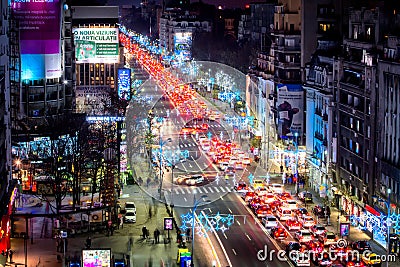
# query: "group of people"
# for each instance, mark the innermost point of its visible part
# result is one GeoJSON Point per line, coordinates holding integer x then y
{"type": "Point", "coordinates": [146, 234]}
{"type": "Point", "coordinates": [292, 179]}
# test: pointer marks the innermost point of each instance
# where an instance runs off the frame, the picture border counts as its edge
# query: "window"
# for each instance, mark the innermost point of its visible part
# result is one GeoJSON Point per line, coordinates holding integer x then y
{"type": "Point", "coordinates": [351, 145]}
{"type": "Point", "coordinates": [357, 125]}
{"type": "Point", "coordinates": [357, 147]}
{"type": "Point", "coordinates": [351, 123]}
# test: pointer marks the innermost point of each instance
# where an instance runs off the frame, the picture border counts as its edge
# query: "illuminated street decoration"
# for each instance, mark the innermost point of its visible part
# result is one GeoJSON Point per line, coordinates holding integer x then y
{"type": "Point", "coordinates": [378, 225]}
{"type": "Point", "coordinates": [217, 222]}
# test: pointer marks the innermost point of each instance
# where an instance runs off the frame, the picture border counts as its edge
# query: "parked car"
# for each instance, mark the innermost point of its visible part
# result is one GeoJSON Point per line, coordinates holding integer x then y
{"type": "Point", "coordinates": [130, 206]}
{"type": "Point", "coordinates": [130, 216]}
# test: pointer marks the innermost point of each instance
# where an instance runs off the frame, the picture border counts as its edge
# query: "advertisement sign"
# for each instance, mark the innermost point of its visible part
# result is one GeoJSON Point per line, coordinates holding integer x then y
{"type": "Point", "coordinates": [168, 224]}
{"type": "Point", "coordinates": [290, 109]}
{"type": "Point", "coordinates": [183, 45]}
{"type": "Point", "coordinates": [96, 45]}
{"type": "Point", "coordinates": [96, 257]}
{"type": "Point", "coordinates": [91, 99]}
{"type": "Point", "coordinates": [40, 35]}
{"type": "Point", "coordinates": [124, 84]}
{"type": "Point", "coordinates": [344, 229]}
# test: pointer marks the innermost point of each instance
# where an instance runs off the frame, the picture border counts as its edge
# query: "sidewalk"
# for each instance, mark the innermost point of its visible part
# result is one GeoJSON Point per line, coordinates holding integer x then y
{"type": "Point", "coordinates": [43, 253]}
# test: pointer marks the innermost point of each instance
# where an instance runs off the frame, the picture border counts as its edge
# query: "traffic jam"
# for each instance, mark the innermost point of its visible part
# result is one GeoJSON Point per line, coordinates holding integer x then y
{"type": "Point", "coordinates": [281, 213]}
{"type": "Point", "coordinates": [305, 240]}
{"type": "Point", "coordinates": [226, 155]}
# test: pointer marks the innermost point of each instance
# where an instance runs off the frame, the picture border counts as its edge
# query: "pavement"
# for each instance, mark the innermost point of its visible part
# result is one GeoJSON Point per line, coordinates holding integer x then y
{"type": "Point", "coordinates": [142, 252]}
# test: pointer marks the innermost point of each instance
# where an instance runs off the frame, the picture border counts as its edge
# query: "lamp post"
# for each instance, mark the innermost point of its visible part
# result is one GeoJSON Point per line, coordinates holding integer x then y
{"type": "Point", "coordinates": [195, 205]}
{"type": "Point", "coordinates": [161, 144]}
{"type": "Point", "coordinates": [387, 203]}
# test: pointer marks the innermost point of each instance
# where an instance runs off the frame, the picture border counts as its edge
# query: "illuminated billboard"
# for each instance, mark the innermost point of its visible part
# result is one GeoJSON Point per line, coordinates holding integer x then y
{"type": "Point", "coordinates": [96, 257]}
{"type": "Point", "coordinates": [40, 39]}
{"type": "Point", "coordinates": [183, 45]}
{"type": "Point", "coordinates": [290, 109]}
{"type": "Point", "coordinates": [124, 84]}
{"type": "Point", "coordinates": [96, 45]}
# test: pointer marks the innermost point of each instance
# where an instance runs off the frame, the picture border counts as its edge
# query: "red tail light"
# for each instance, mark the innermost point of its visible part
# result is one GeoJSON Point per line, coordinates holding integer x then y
{"type": "Point", "coordinates": [276, 234]}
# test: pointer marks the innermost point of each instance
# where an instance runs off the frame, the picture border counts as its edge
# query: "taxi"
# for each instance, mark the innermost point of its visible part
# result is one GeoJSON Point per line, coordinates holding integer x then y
{"type": "Point", "coordinates": [371, 259]}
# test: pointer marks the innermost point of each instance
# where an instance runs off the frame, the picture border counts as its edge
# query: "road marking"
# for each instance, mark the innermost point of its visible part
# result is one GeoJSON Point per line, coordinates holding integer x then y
{"type": "Point", "coordinates": [228, 189]}
{"type": "Point", "coordinates": [205, 190]}
{"type": "Point", "coordinates": [211, 191]}
{"type": "Point", "coordinates": [222, 189]}
{"type": "Point", "coordinates": [198, 190]}
{"type": "Point", "coordinates": [183, 192]}
{"type": "Point", "coordinates": [234, 252]}
{"type": "Point", "coordinates": [188, 190]}
{"type": "Point", "coordinates": [176, 192]}
{"type": "Point", "coordinates": [225, 236]}
{"type": "Point", "coordinates": [248, 237]}
{"type": "Point", "coordinates": [238, 222]}
{"type": "Point", "coordinates": [209, 209]}
{"type": "Point", "coordinates": [230, 210]}
{"type": "Point", "coordinates": [185, 199]}
{"type": "Point", "coordinates": [216, 189]}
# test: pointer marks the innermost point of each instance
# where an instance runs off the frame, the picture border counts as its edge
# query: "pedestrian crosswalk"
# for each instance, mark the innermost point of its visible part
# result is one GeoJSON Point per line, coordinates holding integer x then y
{"type": "Point", "coordinates": [202, 190]}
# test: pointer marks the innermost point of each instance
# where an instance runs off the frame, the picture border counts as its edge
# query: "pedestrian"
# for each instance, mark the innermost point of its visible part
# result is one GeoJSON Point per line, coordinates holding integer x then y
{"type": "Point", "coordinates": [144, 232]}
{"type": "Point", "coordinates": [88, 242]}
{"type": "Point", "coordinates": [178, 236]}
{"type": "Point", "coordinates": [281, 169]}
{"type": "Point", "coordinates": [283, 178]}
{"type": "Point", "coordinates": [157, 236]}
{"type": "Point", "coordinates": [289, 179]}
{"type": "Point", "coordinates": [148, 182]}
{"type": "Point", "coordinates": [121, 222]}
{"type": "Point", "coordinates": [188, 234]}
{"type": "Point", "coordinates": [10, 254]}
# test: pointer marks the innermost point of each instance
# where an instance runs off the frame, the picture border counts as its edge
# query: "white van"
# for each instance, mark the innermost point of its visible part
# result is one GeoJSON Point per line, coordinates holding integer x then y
{"type": "Point", "coordinates": [130, 216]}
{"type": "Point", "coordinates": [284, 213]}
{"type": "Point", "coordinates": [130, 206]}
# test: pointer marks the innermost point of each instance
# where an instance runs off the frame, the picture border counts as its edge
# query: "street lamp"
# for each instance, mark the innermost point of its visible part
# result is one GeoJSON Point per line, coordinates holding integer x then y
{"type": "Point", "coordinates": [387, 203]}
{"type": "Point", "coordinates": [161, 144]}
{"type": "Point", "coordinates": [195, 205]}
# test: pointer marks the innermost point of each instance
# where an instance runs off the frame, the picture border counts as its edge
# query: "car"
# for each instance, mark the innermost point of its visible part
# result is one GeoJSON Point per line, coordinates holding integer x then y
{"type": "Point", "coordinates": [306, 221]}
{"type": "Point", "coordinates": [303, 236]}
{"type": "Point", "coordinates": [361, 245]}
{"type": "Point", "coordinates": [261, 191]}
{"type": "Point", "coordinates": [206, 146]}
{"type": "Point", "coordinates": [230, 171]}
{"type": "Point", "coordinates": [324, 259]}
{"type": "Point", "coordinates": [284, 196]}
{"type": "Point", "coordinates": [130, 216]}
{"type": "Point", "coordinates": [269, 198]}
{"type": "Point", "coordinates": [257, 183]}
{"type": "Point", "coordinates": [279, 233]}
{"type": "Point", "coordinates": [291, 204]}
{"type": "Point", "coordinates": [233, 160]}
{"type": "Point", "coordinates": [276, 188]}
{"type": "Point", "coordinates": [305, 196]}
{"type": "Point", "coordinates": [284, 213]}
{"type": "Point", "coordinates": [181, 179]}
{"type": "Point", "coordinates": [263, 210]}
{"type": "Point", "coordinates": [256, 202]}
{"type": "Point", "coordinates": [275, 205]}
{"type": "Point", "coordinates": [239, 166]}
{"type": "Point", "coordinates": [327, 238]}
{"type": "Point", "coordinates": [317, 229]}
{"type": "Point", "coordinates": [296, 253]}
{"type": "Point", "coordinates": [371, 259]}
{"type": "Point", "coordinates": [248, 196]}
{"type": "Point", "coordinates": [314, 246]}
{"type": "Point", "coordinates": [300, 212]}
{"type": "Point", "coordinates": [195, 180]}
{"type": "Point", "coordinates": [293, 224]}
{"type": "Point", "coordinates": [223, 165]}
{"type": "Point", "coordinates": [355, 262]}
{"type": "Point", "coordinates": [270, 221]}
{"type": "Point", "coordinates": [241, 187]}
{"type": "Point", "coordinates": [246, 160]}
{"type": "Point", "coordinates": [130, 206]}
{"type": "Point", "coordinates": [202, 138]}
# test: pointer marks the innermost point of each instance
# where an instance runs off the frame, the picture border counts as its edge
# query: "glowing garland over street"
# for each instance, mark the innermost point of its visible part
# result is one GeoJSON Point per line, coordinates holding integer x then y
{"type": "Point", "coordinates": [217, 222]}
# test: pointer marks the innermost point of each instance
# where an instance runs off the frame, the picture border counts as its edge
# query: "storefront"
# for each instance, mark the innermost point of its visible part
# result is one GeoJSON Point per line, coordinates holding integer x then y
{"type": "Point", "coordinates": [5, 224]}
